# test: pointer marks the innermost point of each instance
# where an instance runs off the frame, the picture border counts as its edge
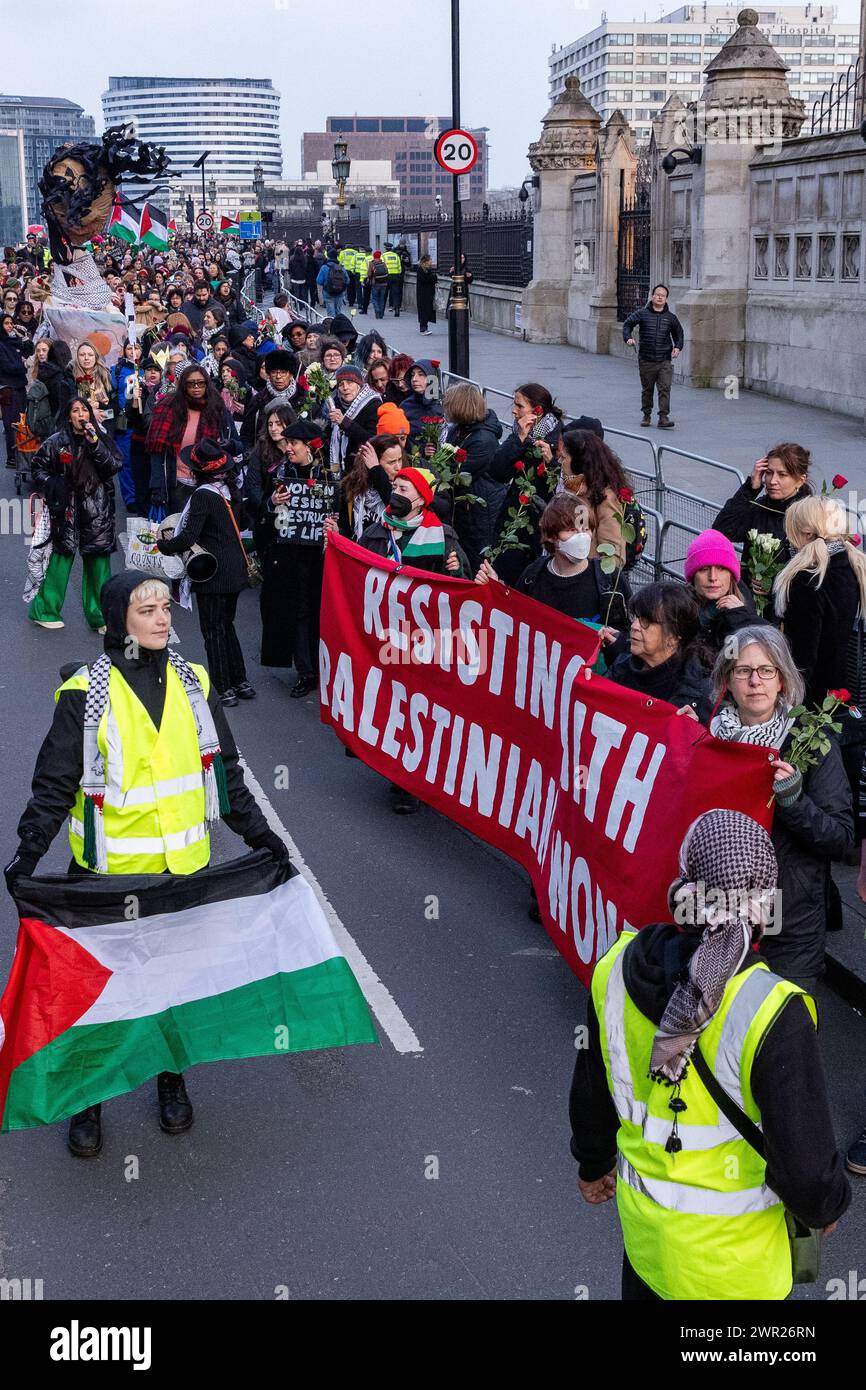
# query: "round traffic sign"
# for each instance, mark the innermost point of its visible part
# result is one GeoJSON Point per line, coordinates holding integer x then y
{"type": "Point", "coordinates": [456, 151]}
{"type": "Point", "coordinates": [204, 222]}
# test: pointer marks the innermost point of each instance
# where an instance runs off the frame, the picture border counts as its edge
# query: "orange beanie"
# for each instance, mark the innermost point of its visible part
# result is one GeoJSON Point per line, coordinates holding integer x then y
{"type": "Point", "coordinates": [392, 420]}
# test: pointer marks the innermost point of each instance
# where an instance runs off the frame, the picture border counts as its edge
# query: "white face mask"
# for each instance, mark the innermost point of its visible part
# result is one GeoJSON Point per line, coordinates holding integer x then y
{"type": "Point", "coordinates": [576, 547]}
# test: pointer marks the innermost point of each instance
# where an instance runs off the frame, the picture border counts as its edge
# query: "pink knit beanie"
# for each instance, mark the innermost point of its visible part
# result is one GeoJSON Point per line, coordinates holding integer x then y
{"type": "Point", "coordinates": [712, 548]}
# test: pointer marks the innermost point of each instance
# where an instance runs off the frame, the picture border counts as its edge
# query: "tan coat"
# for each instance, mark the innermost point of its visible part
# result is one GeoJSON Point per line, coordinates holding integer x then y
{"type": "Point", "coordinates": [603, 519]}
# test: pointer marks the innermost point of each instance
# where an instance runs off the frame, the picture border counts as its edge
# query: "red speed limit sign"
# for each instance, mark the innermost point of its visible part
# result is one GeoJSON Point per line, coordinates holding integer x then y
{"type": "Point", "coordinates": [456, 151]}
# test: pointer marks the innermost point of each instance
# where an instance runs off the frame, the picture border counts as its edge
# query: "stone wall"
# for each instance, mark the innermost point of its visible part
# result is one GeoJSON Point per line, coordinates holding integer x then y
{"type": "Point", "coordinates": [806, 295]}
{"type": "Point", "coordinates": [497, 308]}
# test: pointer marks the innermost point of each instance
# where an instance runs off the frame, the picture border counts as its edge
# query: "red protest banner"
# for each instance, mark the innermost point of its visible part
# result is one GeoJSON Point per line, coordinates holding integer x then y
{"type": "Point", "coordinates": [479, 700]}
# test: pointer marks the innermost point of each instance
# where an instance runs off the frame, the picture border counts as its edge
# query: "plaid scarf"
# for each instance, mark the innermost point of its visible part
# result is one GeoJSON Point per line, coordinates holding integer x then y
{"type": "Point", "coordinates": [93, 780]}
{"type": "Point", "coordinates": [161, 435]}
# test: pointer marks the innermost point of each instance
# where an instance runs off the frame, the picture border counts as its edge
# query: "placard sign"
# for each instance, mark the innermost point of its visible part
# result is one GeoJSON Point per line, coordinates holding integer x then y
{"type": "Point", "coordinates": [300, 521]}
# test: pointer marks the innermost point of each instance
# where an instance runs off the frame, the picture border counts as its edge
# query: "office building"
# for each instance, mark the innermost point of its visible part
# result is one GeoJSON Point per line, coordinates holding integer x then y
{"type": "Point", "coordinates": [13, 191]}
{"type": "Point", "coordinates": [406, 142]}
{"type": "Point", "coordinates": [46, 122]}
{"type": "Point", "coordinates": [237, 119]}
{"type": "Point", "coordinates": [636, 67]}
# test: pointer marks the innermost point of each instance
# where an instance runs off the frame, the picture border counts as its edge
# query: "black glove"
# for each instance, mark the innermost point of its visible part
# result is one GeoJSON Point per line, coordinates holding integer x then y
{"type": "Point", "coordinates": [158, 498]}
{"type": "Point", "coordinates": [21, 865]}
{"type": "Point", "coordinates": [272, 842]}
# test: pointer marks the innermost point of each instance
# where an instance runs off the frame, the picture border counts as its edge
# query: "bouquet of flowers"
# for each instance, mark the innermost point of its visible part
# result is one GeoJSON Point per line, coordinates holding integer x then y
{"type": "Point", "coordinates": [317, 386]}
{"type": "Point", "coordinates": [530, 469]}
{"type": "Point", "coordinates": [234, 394]}
{"type": "Point", "coordinates": [765, 563]}
{"type": "Point", "coordinates": [431, 427]}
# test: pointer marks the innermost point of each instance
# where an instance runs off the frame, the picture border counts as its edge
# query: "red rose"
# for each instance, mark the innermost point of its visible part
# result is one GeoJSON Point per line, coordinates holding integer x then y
{"type": "Point", "coordinates": [839, 481]}
{"type": "Point", "coordinates": [316, 443]}
{"type": "Point", "coordinates": [520, 466]}
{"type": "Point", "coordinates": [65, 456]}
{"type": "Point", "coordinates": [460, 455]}
{"type": "Point", "coordinates": [538, 410]}
{"type": "Point", "coordinates": [524, 498]}
{"type": "Point", "coordinates": [856, 540]}
{"type": "Point", "coordinates": [843, 695]}
{"type": "Point", "coordinates": [625, 494]}
{"type": "Point", "coordinates": [303, 383]}
{"type": "Point", "coordinates": [434, 362]}
{"type": "Point", "coordinates": [540, 471]}
{"type": "Point", "coordinates": [429, 419]}
{"type": "Point", "coordinates": [311, 482]}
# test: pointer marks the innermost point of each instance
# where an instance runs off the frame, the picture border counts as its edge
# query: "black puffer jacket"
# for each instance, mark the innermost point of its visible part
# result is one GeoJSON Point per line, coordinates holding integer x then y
{"type": "Point", "coordinates": [750, 509]}
{"type": "Point", "coordinates": [82, 517]}
{"type": "Point", "coordinates": [680, 682]}
{"type": "Point", "coordinates": [476, 522]}
{"type": "Point", "coordinates": [818, 827]}
{"type": "Point", "coordinates": [660, 332]}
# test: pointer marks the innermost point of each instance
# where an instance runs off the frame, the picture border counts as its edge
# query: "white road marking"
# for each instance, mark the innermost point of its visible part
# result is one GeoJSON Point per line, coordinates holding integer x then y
{"type": "Point", "coordinates": [377, 994]}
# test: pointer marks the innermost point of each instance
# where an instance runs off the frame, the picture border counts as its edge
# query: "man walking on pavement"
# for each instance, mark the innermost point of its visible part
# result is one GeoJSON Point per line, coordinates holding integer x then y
{"type": "Point", "coordinates": [394, 266]}
{"type": "Point", "coordinates": [661, 339]}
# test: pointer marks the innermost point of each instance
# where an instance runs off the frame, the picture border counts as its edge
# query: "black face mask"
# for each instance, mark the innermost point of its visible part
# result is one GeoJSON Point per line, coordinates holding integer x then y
{"type": "Point", "coordinates": [399, 506]}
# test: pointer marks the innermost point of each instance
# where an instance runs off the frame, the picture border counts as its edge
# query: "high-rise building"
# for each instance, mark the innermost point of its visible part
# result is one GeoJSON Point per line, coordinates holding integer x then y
{"type": "Point", "coordinates": [46, 122]}
{"type": "Point", "coordinates": [636, 67]}
{"type": "Point", "coordinates": [407, 141]}
{"type": "Point", "coordinates": [237, 119]}
{"type": "Point", "coordinates": [13, 192]}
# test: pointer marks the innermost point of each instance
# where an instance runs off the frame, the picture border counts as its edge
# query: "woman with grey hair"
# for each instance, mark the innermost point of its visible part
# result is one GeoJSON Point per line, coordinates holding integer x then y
{"type": "Point", "coordinates": [814, 821]}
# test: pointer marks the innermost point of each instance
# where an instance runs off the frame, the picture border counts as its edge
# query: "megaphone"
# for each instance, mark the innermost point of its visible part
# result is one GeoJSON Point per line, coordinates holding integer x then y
{"type": "Point", "coordinates": [199, 564]}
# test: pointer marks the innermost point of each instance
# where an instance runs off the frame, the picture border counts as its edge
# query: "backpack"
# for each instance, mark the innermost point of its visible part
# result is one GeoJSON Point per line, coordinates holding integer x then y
{"type": "Point", "coordinates": [40, 417]}
{"type": "Point", "coordinates": [633, 516]}
{"type": "Point", "coordinates": [380, 272]}
{"type": "Point", "coordinates": [336, 281]}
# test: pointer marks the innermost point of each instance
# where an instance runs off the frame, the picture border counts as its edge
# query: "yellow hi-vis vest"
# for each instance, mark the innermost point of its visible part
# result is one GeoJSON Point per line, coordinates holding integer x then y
{"type": "Point", "coordinates": [701, 1223]}
{"type": "Point", "coordinates": [362, 262]}
{"type": "Point", "coordinates": [393, 262]}
{"type": "Point", "coordinates": [155, 818]}
{"type": "Point", "coordinates": [347, 258]}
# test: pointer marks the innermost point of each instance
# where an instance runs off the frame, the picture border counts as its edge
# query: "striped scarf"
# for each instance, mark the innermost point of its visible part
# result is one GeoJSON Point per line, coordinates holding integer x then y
{"type": "Point", "coordinates": [427, 538]}
{"type": "Point", "coordinates": [94, 777]}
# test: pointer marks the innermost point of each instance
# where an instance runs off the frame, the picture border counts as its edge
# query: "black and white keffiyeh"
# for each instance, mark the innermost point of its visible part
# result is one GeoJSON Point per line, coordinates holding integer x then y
{"type": "Point", "coordinates": [339, 439]}
{"type": "Point", "coordinates": [772, 733]}
{"type": "Point", "coordinates": [726, 889]}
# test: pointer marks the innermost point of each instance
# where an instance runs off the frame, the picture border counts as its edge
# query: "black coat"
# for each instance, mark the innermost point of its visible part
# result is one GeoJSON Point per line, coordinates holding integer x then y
{"type": "Point", "coordinates": [255, 404]}
{"type": "Point", "coordinates": [377, 538]}
{"type": "Point", "coordinates": [476, 522]}
{"type": "Point", "coordinates": [380, 484]}
{"type": "Point", "coordinates": [660, 332]}
{"type": "Point", "coordinates": [209, 525]}
{"type": "Point", "coordinates": [425, 294]}
{"type": "Point", "coordinates": [416, 406]}
{"type": "Point", "coordinates": [680, 682]}
{"type": "Point", "coordinates": [357, 430]}
{"type": "Point", "coordinates": [750, 509]}
{"type": "Point", "coordinates": [610, 595]}
{"type": "Point", "coordinates": [82, 517]}
{"type": "Point", "coordinates": [717, 624]}
{"type": "Point", "coordinates": [511, 563]}
{"type": "Point", "coordinates": [291, 593]}
{"type": "Point", "coordinates": [59, 384]}
{"type": "Point", "coordinates": [803, 1163]}
{"type": "Point", "coordinates": [818, 622]}
{"type": "Point", "coordinates": [13, 354]}
{"type": "Point", "coordinates": [818, 827]}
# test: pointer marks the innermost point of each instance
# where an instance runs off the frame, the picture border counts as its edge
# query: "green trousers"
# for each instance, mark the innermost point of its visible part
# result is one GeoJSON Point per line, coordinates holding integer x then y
{"type": "Point", "coordinates": [47, 606]}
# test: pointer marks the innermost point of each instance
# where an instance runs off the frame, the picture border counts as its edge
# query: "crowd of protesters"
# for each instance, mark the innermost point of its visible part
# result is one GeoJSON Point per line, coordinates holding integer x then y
{"type": "Point", "coordinates": [218, 413]}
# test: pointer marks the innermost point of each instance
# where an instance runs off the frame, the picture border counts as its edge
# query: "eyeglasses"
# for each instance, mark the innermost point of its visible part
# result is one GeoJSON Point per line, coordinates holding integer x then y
{"type": "Point", "coordinates": [764, 673]}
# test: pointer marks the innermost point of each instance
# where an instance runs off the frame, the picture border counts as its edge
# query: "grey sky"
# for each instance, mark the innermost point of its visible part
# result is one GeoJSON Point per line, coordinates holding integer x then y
{"type": "Point", "coordinates": [385, 59]}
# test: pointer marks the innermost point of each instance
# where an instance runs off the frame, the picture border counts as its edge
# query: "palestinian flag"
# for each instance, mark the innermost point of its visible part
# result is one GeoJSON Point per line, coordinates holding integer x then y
{"type": "Point", "coordinates": [154, 227]}
{"type": "Point", "coordinates": [230, 225]}
{"type": "Point", "coordinates": [172, 226]}
{"type": "Point", "coordinates": [125, 220]}
{"type": "Point", "coordinates": [117, 978]}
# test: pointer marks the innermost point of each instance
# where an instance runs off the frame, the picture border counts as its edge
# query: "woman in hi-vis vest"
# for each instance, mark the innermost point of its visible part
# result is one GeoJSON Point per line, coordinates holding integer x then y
{"type": "Point", "coordinates": [695, 1049]}
{"type": "Point", "coordinates": [148, 691]}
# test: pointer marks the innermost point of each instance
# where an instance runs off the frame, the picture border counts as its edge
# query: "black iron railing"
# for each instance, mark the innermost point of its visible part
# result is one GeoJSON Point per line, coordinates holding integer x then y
{"type": "Point", "coordinates": [842, 107]}
{"type": "Point", "coordinates": [633, 249]}
{"type": "Point", "coordinates": [497, 246]}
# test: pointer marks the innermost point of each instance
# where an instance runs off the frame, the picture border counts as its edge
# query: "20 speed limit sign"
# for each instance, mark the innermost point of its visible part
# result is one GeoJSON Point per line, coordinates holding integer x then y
{"type": "Point", "coordinates": [456, 151]}
{"type": "Point", "coordinates": [204, 222]}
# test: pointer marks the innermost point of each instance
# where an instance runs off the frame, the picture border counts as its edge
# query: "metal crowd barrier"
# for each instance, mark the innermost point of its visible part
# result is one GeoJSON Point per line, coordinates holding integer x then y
{"type": "Point", "coordinates": [674, 515]}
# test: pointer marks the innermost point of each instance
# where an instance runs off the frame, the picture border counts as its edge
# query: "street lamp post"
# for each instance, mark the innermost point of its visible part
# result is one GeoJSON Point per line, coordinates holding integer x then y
{"type": "Point", "coordinates": [458, 306]}
{"type": "Point", "coordinates": [340, 167]}
{"type": "Point", "coordinates": [259, 184]}
{"type": "Point", "coordinates": [212, 193]}
{"type": "Point", "coordinates": [199, 164]}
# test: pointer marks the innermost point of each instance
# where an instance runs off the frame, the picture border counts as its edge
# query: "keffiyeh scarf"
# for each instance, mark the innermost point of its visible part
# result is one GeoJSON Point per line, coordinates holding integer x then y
{"type": "Point", "coordinates": [727, 725]}
{"type": "Point", "coordinates": [339, 439]}
{"type": "Point", "coordinates": [726, 889]}
{"type": "Point", "coordinates": [93, 782]}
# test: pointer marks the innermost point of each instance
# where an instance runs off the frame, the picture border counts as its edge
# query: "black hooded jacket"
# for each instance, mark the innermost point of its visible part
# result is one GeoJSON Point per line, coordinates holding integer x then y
{"type": "Point", "coordinates": [60, 762]}
{"type": "Point", "coordinates": [82, 515]}
{"type": "Point", "coordinates": [803, 1164]}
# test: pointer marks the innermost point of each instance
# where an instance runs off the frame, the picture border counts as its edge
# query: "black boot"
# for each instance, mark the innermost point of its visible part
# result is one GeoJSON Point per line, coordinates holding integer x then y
{"type": "Point", "coordinates": [85, 1132]}
{"type": "Point", "coordinates": [175, 1109]}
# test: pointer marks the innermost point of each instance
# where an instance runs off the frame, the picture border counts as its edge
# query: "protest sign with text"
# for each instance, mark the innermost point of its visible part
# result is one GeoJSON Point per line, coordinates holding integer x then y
{"type": "Point", "coordinates": [480, 701]}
